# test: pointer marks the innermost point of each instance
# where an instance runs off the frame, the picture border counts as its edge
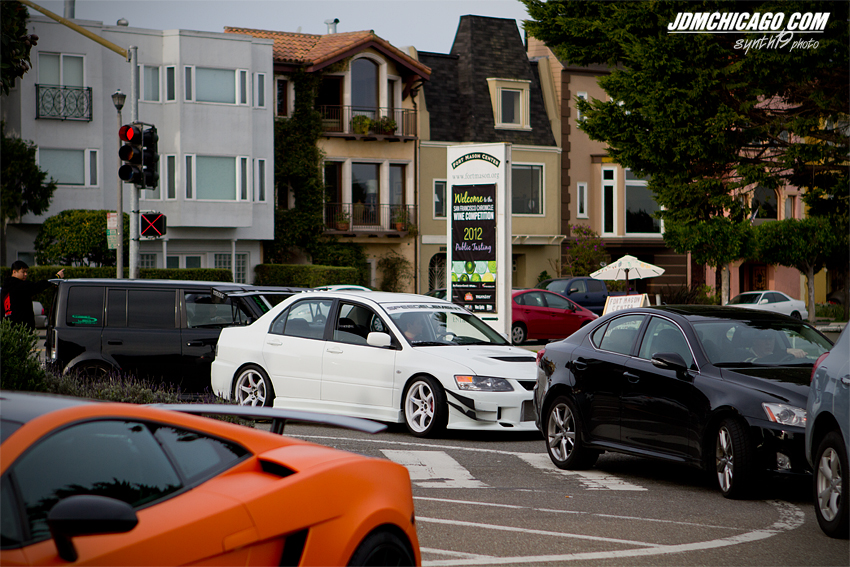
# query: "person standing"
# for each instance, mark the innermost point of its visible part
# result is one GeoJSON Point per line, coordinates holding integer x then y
{"type": "Point", "coordinates": [18, 293]}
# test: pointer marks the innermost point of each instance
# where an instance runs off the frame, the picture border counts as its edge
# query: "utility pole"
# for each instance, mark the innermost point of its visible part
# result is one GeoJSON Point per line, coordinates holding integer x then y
{"type": "Point", "coordinates": [132, 56]}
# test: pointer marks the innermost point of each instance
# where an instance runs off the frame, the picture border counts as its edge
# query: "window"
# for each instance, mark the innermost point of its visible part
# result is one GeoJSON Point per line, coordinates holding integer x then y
{"type": "Point", "coordinates": [609, 184]}
{"type": "Point", "coordinates": [304, 319]}
{"type": "Point", "coordinates": [222, 261]}
{"type": "Point", "coordinates": [183, 261]}
{"type": "Point", "coordinates": [581, 203]}
{"type": "Point", "coordinates": [70, 167]}
{"type": "Point", "coordinates": [511, 106]}
{"type": "Point", "coordinates": [260, 89]}
{"type": "Point", "coordinates": [282, 97]}
{"type": "Point", "coordinates": [115, 458]}
{"type": "Point", "coordinates": [579, 115]}
{"type": "Point", "coordinates": [197, 456]}
{"type": "Point", "coordinates": [509, 99]}
{"type": "Point", "coordinates": [364, 192]}
{"type": "Point", "coordinates": [621, 333]}
{"type": "Point", "coordinates": [203, 313]}
{"type": "Point", "coordinates": [190, 176]}
{"type": "Point", "coordinates": [243, 87]}
{"type": "Point", "coordinates": [364, 85]}
{"type": "Point", "coordinates": [527, 189]}
{"type": "Point", "coordinates": [150, 83]}
{"type": "Point", "coordinates": [215, 178]}
{"type": "Point", "coordinates": [170, 177]}
{"type": "Point", "coordinates": [85, 306]}
{"type": "Point", "coordinates": [640, 207]}
{"type": "Point", "coordinates": [397, 177]}
{"type": "Point", "coordinates": [188, 84]}
{"type": "Point", "coordinates": [224, 86]}
{"type": "Point", "coordinates": [440, 206]}
{"type": "Point", "coordinates": [116, 308]}
{"type": "Point", "coordinates": [789, 207]}
{"type": "Point", "coordinates": [354, 323]}
{"type": "Point", "coordinates": [663, 336]}
{"type": "Point", "coordinates": [147, 260]}
{"type": "Point", "coordinates": [333, 189]}
{"type": "Point", "coordinates": [260, 181]}
{"type": "Point", "coordinates": [765, 203]}
{"type": "Point", "coordinates": [170, 84]}
{"type": "Point", "coordinates": [243, 188]}
{"type": "Point", "coordinates": [151, 309]}
{"type": "Point", "coordinates": [59, 69]}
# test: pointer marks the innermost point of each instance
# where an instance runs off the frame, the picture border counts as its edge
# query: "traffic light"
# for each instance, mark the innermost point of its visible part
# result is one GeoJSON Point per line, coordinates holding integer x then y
{"type": "Point", "coordinates": [153, 225]}
{"type": "Point", "coordinates": [150, 158]}
{"type": "Point", "coordinates": [131, 154]}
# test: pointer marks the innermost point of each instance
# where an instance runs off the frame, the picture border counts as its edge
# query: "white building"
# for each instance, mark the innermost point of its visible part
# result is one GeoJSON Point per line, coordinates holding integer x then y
{"type": "Point", "coordinates": [209, 95]}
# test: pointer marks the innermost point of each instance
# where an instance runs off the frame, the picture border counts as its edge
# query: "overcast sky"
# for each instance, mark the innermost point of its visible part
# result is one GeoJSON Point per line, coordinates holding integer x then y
{"type": "Point", "coordinates": [428, 25]}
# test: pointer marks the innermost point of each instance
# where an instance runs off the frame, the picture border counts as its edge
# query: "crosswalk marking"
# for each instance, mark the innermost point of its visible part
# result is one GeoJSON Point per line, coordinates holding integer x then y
{"type": "Point", "coordinates": [591, 479]}
{"type": "Point", "coordinates": [434, 469]}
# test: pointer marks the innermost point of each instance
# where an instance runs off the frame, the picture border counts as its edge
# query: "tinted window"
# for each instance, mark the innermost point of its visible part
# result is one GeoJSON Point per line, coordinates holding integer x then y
{"type": "Point", "coordinates": [663, 336]}
{"type": "Point", "coordinates": [621, 334]}
{"type": "Point", "coordinates": [10, 526]}
{"type": "Point", "coordinates": [745, 298]}
{"type": "Point", "coordinates": [85, 306]}
{"type": "Point", "coordinates": [353, 324]}
{"type": "Point", "coordinates": [151, 309]}
{"type": "Point", "coordinates": [533, 299]}
{"type": "Point", "coordinates": [595, 286]}
{"type": "Point", "coordinates": [307, 319]}
{"type": "Point", "coordinates": [202, 312]}
{"type": "Point", "coordinates": [598, 334]}
{"type": "Point", "coordinates": [579, 286]}
{"type": "Point", "coordinates": [119, 459]}
{"type": "Point", "coordinates": [116, 308]}
{"type": "Point", "coordinates": [557, 302]}
{"type": "Point", "coordinates": [197, 456]}
{"type": "Point", "coordinates": [558, 286]}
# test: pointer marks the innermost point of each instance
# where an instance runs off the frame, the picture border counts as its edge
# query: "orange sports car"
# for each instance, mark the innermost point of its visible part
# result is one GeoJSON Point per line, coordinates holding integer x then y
{"type": "Point", "coordinates": [93, 483]}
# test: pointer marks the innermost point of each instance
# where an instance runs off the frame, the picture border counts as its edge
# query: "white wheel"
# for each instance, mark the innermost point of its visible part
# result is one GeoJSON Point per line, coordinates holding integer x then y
{"type": "Point", "coordinates": [425, 410]}
{"type": "Point", "coordinates": [253, 388]}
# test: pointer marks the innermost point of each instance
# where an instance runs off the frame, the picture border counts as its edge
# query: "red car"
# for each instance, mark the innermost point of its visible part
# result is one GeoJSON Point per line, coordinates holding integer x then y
{"type": "Point", "coordinates": [540, 314]}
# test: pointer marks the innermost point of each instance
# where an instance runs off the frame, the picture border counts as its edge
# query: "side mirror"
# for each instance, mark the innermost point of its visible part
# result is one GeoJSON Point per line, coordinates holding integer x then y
{"type": "Point", "coordinates": [87, 515]}
{"type": "Point", "coordinates": [763, 302]}
{"type": "Point", "coordinates": [669, 361]}
{"type": "Point", "coordinates": [572, 290]}
{"type": "Point", "coordinates": [379, 339]}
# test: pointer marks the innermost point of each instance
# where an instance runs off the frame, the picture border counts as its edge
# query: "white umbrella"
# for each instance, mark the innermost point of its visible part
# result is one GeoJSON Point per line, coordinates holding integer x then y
{"type": "Point", "coordinates": [626, 268]}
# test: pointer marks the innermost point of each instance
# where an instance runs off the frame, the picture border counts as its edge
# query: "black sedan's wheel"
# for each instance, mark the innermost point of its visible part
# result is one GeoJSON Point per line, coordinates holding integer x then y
{"type": "Point", "coordinates": [518, 334]}
{"type": "Point", "coordinates": [426, 412]}
{"type": "Point", "coordinates": [563, 437]}
{"type": "Point", "coordinates": [831, 488]}
{"type": "Point", "coordinates": [733, 459]}
{"type": "Point", "coordinates": [253, 388]}
{"type": "Point", "coordinates": [381, 548]}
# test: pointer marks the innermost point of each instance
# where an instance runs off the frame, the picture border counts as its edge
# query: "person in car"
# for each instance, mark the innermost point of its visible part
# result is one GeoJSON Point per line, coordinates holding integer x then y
{"type": "Point", "coordinates": [413, 327]}
{"type": "Point", "coordinates": [764, 348]}
{"type": "Point", "coordinates": [18, 294]}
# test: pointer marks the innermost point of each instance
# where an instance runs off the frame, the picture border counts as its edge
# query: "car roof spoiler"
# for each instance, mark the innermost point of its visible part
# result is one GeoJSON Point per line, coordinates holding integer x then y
{"type": "Point", "coordinates": [279, 417]}
{"type": "Point", "coordinates": [220, 295]}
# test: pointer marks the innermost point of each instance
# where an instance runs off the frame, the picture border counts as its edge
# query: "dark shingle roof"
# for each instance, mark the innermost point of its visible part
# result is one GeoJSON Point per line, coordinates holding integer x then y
{"type": "Point", "coordinates": [458, 95]}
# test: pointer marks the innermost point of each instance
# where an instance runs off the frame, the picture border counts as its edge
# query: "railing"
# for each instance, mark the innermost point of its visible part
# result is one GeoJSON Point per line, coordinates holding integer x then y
{"type": "Point", "coordinates": [63, 103]}
{"type": "Point", "coordinates": [353, 217]}
{"type": "Point", "coordinates": [360, 121]}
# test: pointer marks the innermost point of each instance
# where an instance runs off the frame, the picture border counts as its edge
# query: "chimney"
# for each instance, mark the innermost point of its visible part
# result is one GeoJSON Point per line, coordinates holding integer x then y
{"type": "Point", "coordinates": [70, 9]}
{"type": "Point", "coordinates": [332, 25]}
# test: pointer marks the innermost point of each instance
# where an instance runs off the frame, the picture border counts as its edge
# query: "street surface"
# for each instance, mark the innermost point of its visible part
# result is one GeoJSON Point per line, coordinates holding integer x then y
{"type": "Point", "coordinates": [496, 499]}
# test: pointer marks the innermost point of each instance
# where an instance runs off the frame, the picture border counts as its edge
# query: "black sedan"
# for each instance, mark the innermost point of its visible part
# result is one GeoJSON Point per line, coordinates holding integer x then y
{"type": "Point", "coordinates": [718, 388]}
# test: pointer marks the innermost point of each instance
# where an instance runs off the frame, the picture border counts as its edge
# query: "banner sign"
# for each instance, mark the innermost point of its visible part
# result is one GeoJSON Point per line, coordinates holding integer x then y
{"type": "Point", "coordinates": [473, 210]}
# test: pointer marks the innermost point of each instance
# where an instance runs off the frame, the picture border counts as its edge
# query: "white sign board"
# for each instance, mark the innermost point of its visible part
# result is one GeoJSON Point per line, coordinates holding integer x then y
{"type": "Point", "coordinates": [112, 230]}
{"type": "Point", "coordinates": [479, 231]}
{"type": "Point", "coordinates": [619, 302]}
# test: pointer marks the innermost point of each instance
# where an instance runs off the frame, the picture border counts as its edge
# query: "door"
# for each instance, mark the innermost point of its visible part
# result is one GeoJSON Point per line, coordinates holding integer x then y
{"type": "Point", "coordinates": [142, 333]}
{"type": "Point", "coordinates": [531, 308]}
{"type": "Point", "coordinates": [577, 291]}
{"type": "Point", "coordinates": [657, 403]}
{"type": "Point", "coordinates": [562, 321]}
{"type": "Point", "coordinates": [355, 373]}
{"type": "Point", "coordinates": [293, 350]}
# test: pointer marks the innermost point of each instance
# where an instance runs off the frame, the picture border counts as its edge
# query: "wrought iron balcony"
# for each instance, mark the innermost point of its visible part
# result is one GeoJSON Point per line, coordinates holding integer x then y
{"type": "Point", "coordinates": [360, 122]}
{"type": "Point", "coordinates": [63, 103]}
{"type": "Point", "coordinates": [394, 220]}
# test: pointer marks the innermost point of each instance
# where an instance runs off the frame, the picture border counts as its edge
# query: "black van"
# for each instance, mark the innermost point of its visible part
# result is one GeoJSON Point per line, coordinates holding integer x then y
{"type": "Point", "coordinates": [158, 329]}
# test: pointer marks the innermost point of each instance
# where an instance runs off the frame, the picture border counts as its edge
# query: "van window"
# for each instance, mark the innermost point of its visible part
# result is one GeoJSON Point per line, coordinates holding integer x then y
{"type": "Point", "coordinates": [85, 306]}
{"type": "Point", "coordinates": [203, 312]}
{"type": "Point", "coordinates": [151, 309]}
{"type": "Point", "coordinates": [594, 286]}
{"type": "Point", "coordinates": [116, 308]}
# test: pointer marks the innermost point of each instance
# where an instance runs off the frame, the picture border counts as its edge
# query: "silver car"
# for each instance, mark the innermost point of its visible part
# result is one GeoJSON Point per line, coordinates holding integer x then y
{"type": "Point", "coordinates": [828, 437]}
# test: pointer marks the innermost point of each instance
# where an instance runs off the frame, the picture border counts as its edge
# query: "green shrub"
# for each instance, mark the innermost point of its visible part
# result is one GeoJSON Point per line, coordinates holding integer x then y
{"type": "Point", "coordinates": [543, 276]}
{"type": "Point", "coordinates": [694, 295]}
{"type": "Point", "coordinates": [303, 275]}
{"type": "Point", "coordinates": [20, 368]}
{"type": "Point", "coordinates": [396, 271]}
{"type": "Point", "coordinates": [831, 311]}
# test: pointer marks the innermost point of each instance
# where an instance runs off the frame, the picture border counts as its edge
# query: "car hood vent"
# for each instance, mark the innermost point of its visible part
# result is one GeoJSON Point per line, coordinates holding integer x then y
{"type": "Point", "coordinates": [514, 358]}
{"type": "Point", "coordinates": [276, 469]}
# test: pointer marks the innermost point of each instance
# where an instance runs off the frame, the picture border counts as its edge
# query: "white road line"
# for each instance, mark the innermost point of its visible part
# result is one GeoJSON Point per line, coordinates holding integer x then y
{"type": "Point", "coordinates": [790, 517]}
{"type": "Point", "coordinates": [434, 469]}
{"type": "Point", "coordinates": [591, 479]}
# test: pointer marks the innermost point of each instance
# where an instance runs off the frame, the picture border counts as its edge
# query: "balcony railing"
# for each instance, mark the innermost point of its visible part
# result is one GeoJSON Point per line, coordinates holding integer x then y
{"type": "Point", "coordinates": [368, 122]}
{"type": "Point", "coordinates": [63, 103]}
{"type": "Point", "coordinates": [364, 217]}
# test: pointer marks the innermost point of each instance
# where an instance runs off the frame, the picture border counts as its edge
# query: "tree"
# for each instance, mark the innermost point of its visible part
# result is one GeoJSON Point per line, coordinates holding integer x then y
{"type": "Point", "coordinates": [806, 244]}
{"type": "Point", "coordinates": [22, 183]}
{"type": "Point", "coordinates": [705, 118]}
{"type": "Point", "coordinates": [584, 254]}
{"type": "Point", "coordinates": [15, 43]}
{"type": "Point", "coordinates": [77, 237]}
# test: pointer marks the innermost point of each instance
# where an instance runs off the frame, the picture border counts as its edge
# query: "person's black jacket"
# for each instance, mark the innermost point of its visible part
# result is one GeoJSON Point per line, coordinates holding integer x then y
{"type": "Point", "coordinates": [17, 299]}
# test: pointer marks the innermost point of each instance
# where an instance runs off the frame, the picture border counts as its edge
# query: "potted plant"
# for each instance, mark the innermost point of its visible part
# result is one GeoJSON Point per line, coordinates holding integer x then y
{"type": "Point", "coordinates": [361, 124]}
{"type": "Point", "coordinates": [384, 125]}
{"type": "Point", "coordinates": [342, 219]}
{"type": "Point", "coordinates": [400, 218]}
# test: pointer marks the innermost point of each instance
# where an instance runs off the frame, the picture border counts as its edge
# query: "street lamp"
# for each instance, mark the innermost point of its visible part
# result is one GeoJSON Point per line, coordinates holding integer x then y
{"type": "Point", "coordinates": [118, 99]}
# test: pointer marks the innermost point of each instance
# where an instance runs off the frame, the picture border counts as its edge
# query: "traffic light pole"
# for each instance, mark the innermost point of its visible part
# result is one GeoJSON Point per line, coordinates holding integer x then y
{"type": "Point", "coordinates": [132, 56]}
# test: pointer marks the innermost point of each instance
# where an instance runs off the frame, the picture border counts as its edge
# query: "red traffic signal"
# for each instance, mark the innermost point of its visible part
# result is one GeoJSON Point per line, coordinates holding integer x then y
{"type": "Point", "coordinates": [153, 225]}
{"type": "Point", "coordinates": [131, 154]}
{"type": "Point", "coordinates": [130, 133]}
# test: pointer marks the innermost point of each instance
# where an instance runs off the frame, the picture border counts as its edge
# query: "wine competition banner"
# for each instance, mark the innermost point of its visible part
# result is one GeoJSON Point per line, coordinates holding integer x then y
{"type": "Point", "coordinates": [479, 231]}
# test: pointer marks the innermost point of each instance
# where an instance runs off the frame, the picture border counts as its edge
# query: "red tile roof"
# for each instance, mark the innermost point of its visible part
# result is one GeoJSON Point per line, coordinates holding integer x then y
{"type": "Point", "coordinates": [317, 51]}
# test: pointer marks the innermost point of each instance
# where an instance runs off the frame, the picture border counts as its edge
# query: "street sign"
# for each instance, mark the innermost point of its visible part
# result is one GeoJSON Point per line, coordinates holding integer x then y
{"type": "Point", "coordinates": [112, 230]}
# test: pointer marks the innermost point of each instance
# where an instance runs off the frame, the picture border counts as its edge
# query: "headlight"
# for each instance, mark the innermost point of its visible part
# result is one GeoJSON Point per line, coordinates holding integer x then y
{"type": "Point", "coordinates": [483, 384]}
{"type": "Point", "coordinates": [785, 414]}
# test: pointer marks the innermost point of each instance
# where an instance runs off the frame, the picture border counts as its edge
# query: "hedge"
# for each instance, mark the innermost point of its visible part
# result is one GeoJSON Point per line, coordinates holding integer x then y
{"type": "Point", "coordinates": [38, 273]}
{"type": "Point", "coordinates": [303, 275]}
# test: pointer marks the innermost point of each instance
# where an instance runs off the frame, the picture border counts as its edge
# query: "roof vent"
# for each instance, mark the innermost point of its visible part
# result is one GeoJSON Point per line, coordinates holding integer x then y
{"type": "Point", "coordinates": [332, 25]}
{"type": "Point", "coordinates": [122, 22]}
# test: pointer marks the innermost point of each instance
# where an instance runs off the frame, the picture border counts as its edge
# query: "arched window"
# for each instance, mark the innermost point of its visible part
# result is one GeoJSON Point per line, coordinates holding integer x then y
{"type": "Point", "coordinates": [765, 203]}
{"type": "Point", "coordinates": [437, 271]}
{"type": "Point", "coordinates": [364, 85]}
